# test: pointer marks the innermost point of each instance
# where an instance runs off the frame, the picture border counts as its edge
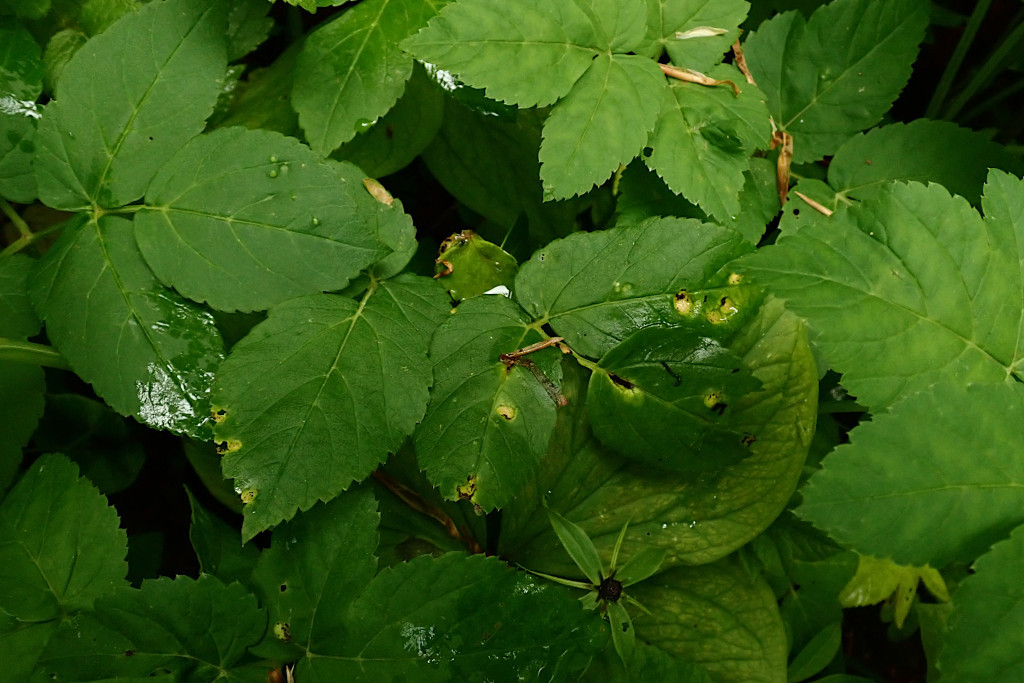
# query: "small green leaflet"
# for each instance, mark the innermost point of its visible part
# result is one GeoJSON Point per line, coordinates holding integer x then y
{"type": "Point", "coordinates": [244, 219]}
{"type": "Point", "coordinates": [837, 73]}
{"type": "Point", "coordinates": [195, 629]}
{"type": "Point", "coordinates": [121, 110]}
{"type": "Point", "coordinates": [148, 352]}
{"type": "Point", "coordinates": [909, 288]}
{"type": "Point", "coordinates": [21, 82]}
{"type": "Point", "coordinates": [595, 289]}
{"type": "Point", "coordinates": [351, 71]}
{"type": "Point", "coordinates": [931, 505]}
{"type": "Point", "coordinates": [488, 423]}
{"type": "Point", "coordinates": [982, 638]}
{"type": "Point", "coordinates": [666, 397]}
{"type": "Point", "coordinates": [704, 139]}
{"type": "Point", "coordinates": [316, 396]}
{"type": "Point", "coordinates": [666, 19]}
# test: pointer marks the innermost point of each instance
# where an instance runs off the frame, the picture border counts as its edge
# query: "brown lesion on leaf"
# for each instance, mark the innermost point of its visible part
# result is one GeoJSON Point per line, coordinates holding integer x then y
{"type": "Point", "coordinates": [748, 440]}
{"type": "Point", "coordinates": [378, 191]}
{"type": "Point", "coordinates": [507, 412]}
{"type": "Point", "coordinates": [683, 302]}
{"type": "Point", "coordinates": [517, 357]}
{"type": "Point", "coordinates": [466, 491]}
{"type": "Point", "coordinates": [420, 504]}
{"type": "Point", "coordinates": [229, 446]}
{"type": "Point", "coordinates": [784, 141]}
{"type": "Point", "coordinates": [448, 243]}
{"type": "Point", "coordinates": [218, 415]}
{"type": "Point", "coordinates": [691, 76]}
{"type": "Point", "coordinates": [621, 382]}
{"type": "Point", "coordinates": [741, 62]}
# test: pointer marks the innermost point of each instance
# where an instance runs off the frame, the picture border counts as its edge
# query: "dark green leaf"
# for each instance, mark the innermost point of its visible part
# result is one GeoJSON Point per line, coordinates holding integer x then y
{"type": "Point", "coordinates": [244, 219]}
{"type": "Point", "coordinates": [217, 547]}
{"type": "Point", "coordinates": [26, 9]}
{"type": "Point", "coordinates": [97, 15]}
{"type": "Point", "coordinates": [22, 644]}
{"type": "Point", "coordinates": [318, 394]}
{"type": "Point", "coordinates": [351, 71]}
{"type": "Point", "coordinates": [60, 545]}
{"type": "Point", "coordinates": [817, 654]}
{"type": "Point", "coordinates": [667, 18]}
{"type": "Point", "coordinates": [146, 351]}
{"type": "Point", "coordinates": [982, 640]}
{"type": "Point", "coordinates": [931, 505]}
{"type": "Point", "coordinates": [579, 547]}
{"type": "Point", "coordinates": [121, 109]}
{"type": "Point", "coordinates": [469, 265]}
{"type": "Point", "coordinates": [595, 289]}
{"type": "Point", "coordinates": [21, 68]}
{"type": "Point", "coordinates": [61, 47]}
{"type": "Point", "coordinates": [17, 319]}
{"type": "Point", "coordinates": [23, 389]}
{"type": "Point", "coordinates": [837, 73]}
{"type": "Point", "coordinates": [196, 629]}
{"type": "Point", "coordinates": [487, 424]}
{"type": "Point", "coordinates": [248, 26]}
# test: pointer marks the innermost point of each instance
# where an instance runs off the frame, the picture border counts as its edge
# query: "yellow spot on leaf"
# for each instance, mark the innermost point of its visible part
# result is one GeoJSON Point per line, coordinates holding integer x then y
{"type": "Point", "coordinates": [467, 490]}
{"type": "Point", "coordinates": [507, 412]}
{"type": "Point", "coordinates": [248, 496]}
{"type": "Point", "coordinates": [283, 631]}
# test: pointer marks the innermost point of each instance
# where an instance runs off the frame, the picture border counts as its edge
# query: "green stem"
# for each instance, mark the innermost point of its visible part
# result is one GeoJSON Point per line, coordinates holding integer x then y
{"type": "Point", "coordinates": [984, 75]}
{"type": "Point", "coordinates": [16, 220]}
{"type": "Point", "coordinates": [31, 353]}
{"type": "Point", "coordinates": [970, 31]}
{"type": "Point", "coordinates": [26, 240]}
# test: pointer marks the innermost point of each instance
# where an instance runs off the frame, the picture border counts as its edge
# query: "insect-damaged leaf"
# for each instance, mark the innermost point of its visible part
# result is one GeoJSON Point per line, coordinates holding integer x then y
{"type": "Point", "coordinates": [667, 398]}
{"type": "Point", "coordinates": [146, 351]}
{"type": "Point", "coordinates": [668, 21]}
{"type": "Point", "coordinates": [316, 396]}
{"type": "Point", "coordinates": [243, 219]}
{"type": "Point", "coordinates": [128, 100]}
{"type": "Point", "coordinates": [488, 422]}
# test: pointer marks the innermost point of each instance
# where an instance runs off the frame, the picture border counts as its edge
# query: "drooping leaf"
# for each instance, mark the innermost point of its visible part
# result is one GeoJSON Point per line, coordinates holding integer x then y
{"type": "Point", "coordinates": [595, 289]}
{"type": "Point", "coordinates": [909, 288]}
{"type": "Point", "coordinates": [666, 19]}
{"type": "Point", "coordinates": [127, 101]}
{"type": "Point", "coordinates": [316, 396]}
{"type": "Point", "coordinates": [838, 72]}
{"type": "Point", "coordinates": [922, 150]}
{"type": "Point", "coordinates": [351, 70]}
{"type": "Point", "coordinates": [602, 123]}
{"type": "Point", "coordinates": [717, 616]}
{"type": "Point", "coordinates": [704, 140]}
{"type": "Point", "coordinates": [488, 423]}
{"type": "Point", "coordinates": [146, 351]}
{"type": "Point", "coordinates": [244, 219]}
{"type": "Point", "coordinates": [903, 488]}
{"type": "Point", "coordinates": [529, 53]}
{"type": "Point", "coordinates": [21, 81]}
{"type": "Point", "coordinates": [982, 638]}
{"type": "Point", "coordinates": [695, 518]}
{"type": "Point", "coordinates": [60, 545]}
{"type": "Point", "coordinates": [195, 629]}
{"type": "Point", "coordinates": [454, 618]}
{"type": "Point", "coordinates": [666, 397]}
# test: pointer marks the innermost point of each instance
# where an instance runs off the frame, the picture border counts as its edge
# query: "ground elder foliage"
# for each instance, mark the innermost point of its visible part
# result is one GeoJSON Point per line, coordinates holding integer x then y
{"type": "Point", "coordinates": [418, 318]}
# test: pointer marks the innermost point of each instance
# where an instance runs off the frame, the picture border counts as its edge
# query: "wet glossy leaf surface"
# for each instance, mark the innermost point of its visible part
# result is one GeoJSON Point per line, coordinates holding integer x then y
{"type": "Point", "coordinates": [21, 81]}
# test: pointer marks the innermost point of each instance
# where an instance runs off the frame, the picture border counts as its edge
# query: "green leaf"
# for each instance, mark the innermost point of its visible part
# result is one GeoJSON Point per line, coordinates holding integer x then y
{"type": "Point", "coordinates": [579, 547]}
{"type": "Point", "coordinates": [595, 289]}
{"type": "Point", "coordinates": [60, 545]}
{"type": "Point", "coordinates": [351, 70]}
{"type": "Point", "coordinates": [487, 424]}
{"type": "Point", "coordinates": [146, 351]}
{"type": "Point", "coordinates": [453, 618]}
{"type": "Point", "coordinates": [316, 566]}
{"type": "Point", "coordinates": [982, 638]}
{"type": "Point", "coordinates": [948, 507]}
{"type": "Point", "coordinates": [922, 150]}
{"type": "Point", "coordinates": [880, 580]}
{"type": "Point", "coordinates": [248, 26]}
{"type": "Point", "coordinates": [667, 18]}
{"type": "Point", "coordinates": [401, 134]}
{"type": "Point", "coordinates": [217, 547]}
{"type": "Point", "coordinates": [529, 53]}
{"type": "Point", "coordinates": [716, 616]}
{"type": "Point", "coordinates": [196, 629]}
{"type": "Point", "coordinates": [24, 387]}
{"type": "Point", "coordinates": [244, 219]}
{"type": "Point", "coordinates": [696, 519]}
{"type": "Point", "coordinates": [623, 633]}
{"type": "Point", "coordinates": [474, 266]}
{"type": "Point", "coordinates": [666, 397]}
{"type": "Point", "coordinates": [602, 123]}
{"type": "Point", "coordinates": [97, 15]}
{"type": "Point", "coordinates": [61, 47]}
{"type": "Point", "coordinates": [23, 643]}
{"type": "Point", "coordinates": [26, 9]}
{"type": "Point", "coordinates": [17, 319]}
{"type": "Point", "coordinates": [817, 654]}
{"type": "Point", "coordinates": [21, 81]}
{"type": "Point", "coordinates": [21, 66]}
{"type": "Point", "coordinates": [643, 565]}
{"type": "Point", "coordinates": [704, 140]}
{"type": "Point", "coordinates": [837, 73]}
{"type": "Point", "coordinates": [908, 289]}
{"type": "Point", "coordinates": [316, 396]}
{"type": "Point", "coordinates": [127, 101]}
{"type": "Point", "coordinates": [647, 664]}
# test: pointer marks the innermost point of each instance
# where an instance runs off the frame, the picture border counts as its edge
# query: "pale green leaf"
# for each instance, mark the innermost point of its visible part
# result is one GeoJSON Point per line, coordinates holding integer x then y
{"type": "Point", "coordinates": [579, 547]}
{"type": "Point", "coordinates": [838, 72]}
{"type": "Point", "coordinates": [146, 351]}
{"type": "Point", "coordinates": [468, 265]}
{"type": "Point", "coordinates": [244, 219]}
{"type": "Point", "coordinates": [315, 397]}
{"type": "Point", "coordinates": [909, 288]}
{"type": "Point", "coordinates": [601, 124]}
{"type": "Point", "coordinates": [528, 53]}
{"type": "Point", "coordinates": [717, 616]}
{"type": "Point", "coordinates": [487, 424]}
{"type": "Point", "coordinates": [595, 289]}
{"type": "Point", "coordinates": [817, 654]}
{"type": "Point", "coordinates": [351, 70]}
{"type": "Point", "coordinates": [704, 140]}
{"type": "Point", "coordinates": [905, 487]}
{"type": "Point", "coordinates": [127, 100]}
{"type": "Point", "coordinates": [60, 545]}
{"type": "Point", "coordinates": [196, 629]}
{"type": "Point", "coordinates": [666, 18]}
{"type": "Point", "coordinates": [922, 150]}
{"type": "Point", "coordinates": [982, 638]}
